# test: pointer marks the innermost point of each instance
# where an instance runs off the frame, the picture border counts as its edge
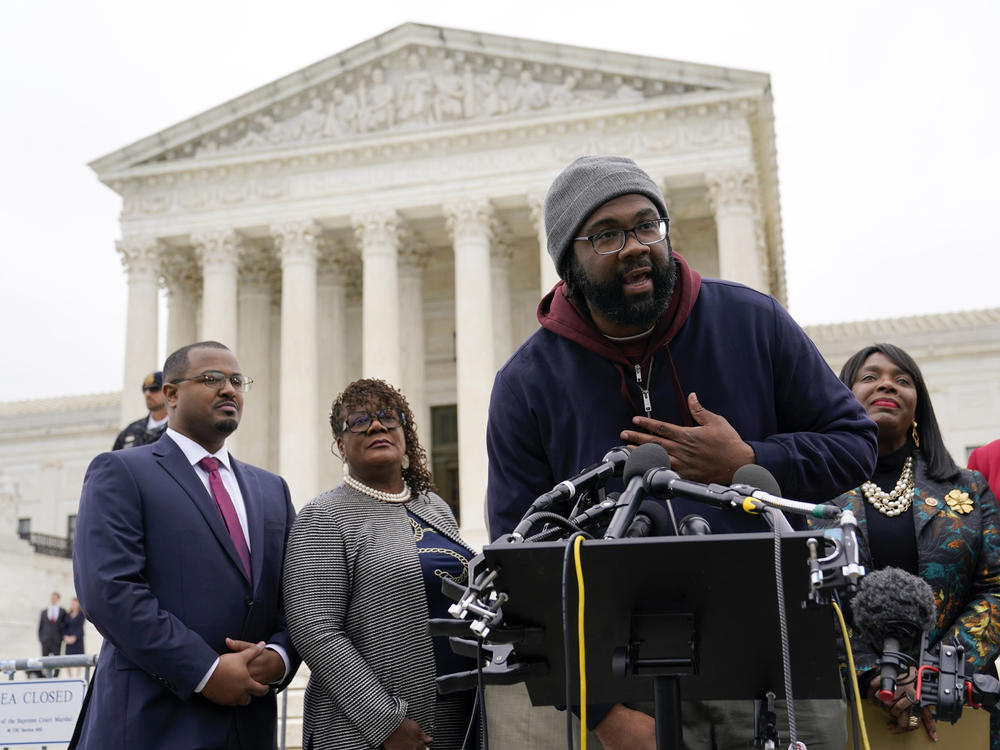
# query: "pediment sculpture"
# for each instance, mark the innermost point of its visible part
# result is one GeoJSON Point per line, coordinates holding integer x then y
{"type": "Point", "coordinates": [424, 91]}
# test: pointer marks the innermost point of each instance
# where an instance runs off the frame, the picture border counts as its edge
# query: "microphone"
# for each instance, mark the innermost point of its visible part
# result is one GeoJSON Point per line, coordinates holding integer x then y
{"type": "Point", "coordinates": [646, 457]}
{"type": "Point", "coordinates": [651, 519]}
{"type": "Point", "coordinates": [694, 525]}
{"type": "Point", "coordinates": [892, 609]}
{"type": "Point", "coordinates": [611, 465]}
{"type": "Point", "coordinates": [756, 482]}
{"type": "Point", "coordinates": [663, 483]}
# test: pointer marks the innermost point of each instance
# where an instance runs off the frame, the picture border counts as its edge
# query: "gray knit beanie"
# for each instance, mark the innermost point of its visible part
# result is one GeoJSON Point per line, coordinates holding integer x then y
{"type": "Point", "coordinates": [584, 186]}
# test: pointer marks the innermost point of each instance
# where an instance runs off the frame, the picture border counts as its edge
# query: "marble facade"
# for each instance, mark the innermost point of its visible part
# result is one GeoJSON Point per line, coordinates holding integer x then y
{"type": "Point", "coordinates": [379, 214]}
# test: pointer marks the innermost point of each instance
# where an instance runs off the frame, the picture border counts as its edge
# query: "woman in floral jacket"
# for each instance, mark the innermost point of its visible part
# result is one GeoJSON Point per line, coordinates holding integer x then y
{"type": "Point", "coordinates": [922, 513]}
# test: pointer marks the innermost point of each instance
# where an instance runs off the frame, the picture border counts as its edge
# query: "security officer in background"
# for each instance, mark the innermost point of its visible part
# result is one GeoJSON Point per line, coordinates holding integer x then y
{"type": "Point", "coordinates": [149, 428]}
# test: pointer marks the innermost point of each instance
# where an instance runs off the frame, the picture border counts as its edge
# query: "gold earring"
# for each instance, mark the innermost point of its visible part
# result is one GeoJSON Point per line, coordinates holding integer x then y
{"type": "Point", "coordinates": [916, 437]}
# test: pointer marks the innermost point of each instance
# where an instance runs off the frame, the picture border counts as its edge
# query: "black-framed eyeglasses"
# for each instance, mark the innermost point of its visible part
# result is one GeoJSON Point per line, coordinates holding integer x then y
{"type": "Point", "coordinates": [217, 380]}
{"type": "Point", "coordinates": [151, 388]}
{"type": "Point", "coordinates": [611, 241]}
{"type": "Point", "coordinates": [360, 421]}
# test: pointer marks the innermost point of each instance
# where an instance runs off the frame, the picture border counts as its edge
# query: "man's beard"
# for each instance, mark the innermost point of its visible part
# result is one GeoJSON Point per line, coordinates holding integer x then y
{"type": "Point", "coordinates": [609, 298]}
{"type": "Point", "coordinates": [226, 426]}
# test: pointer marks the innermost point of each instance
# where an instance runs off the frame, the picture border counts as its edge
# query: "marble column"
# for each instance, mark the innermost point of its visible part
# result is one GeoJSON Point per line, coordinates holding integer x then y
{"type": "Point", "coordinates": [500, 257]}
{"type": "Point", "coordinates": [253, 349]}
{"type": "Point", "coordinates": [331, 336]}
{"type": "Point", "coordinates": [298, 246]}
{"type": "Point", "coordinates": [412, 382]}
{"type": "Point", "coordinates": [547, 273]}
{"type": "Point", "coordinates": [218, 253]}
{"type": "Point", "coordinates": [733, 197]}
{"type": "Point", "coordinates": [140, 258]}
{"type": "Point", "coordinates": [182, 282]}
{"type": "Point", "coordinates": [378, 237]}
{"type": "Point", "coordinates": [471, 224]}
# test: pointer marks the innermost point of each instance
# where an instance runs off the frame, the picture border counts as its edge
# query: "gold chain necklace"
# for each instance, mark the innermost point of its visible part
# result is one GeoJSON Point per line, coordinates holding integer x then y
{"type": "Point", "coordinates": [385, 497]}
{"type": "Point", "coordinates": [895, 502]}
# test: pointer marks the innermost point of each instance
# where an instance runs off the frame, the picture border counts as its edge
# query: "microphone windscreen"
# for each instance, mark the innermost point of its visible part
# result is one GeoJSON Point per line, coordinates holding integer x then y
{"type": "Point", "coordinates": [659, 519]}
{"type": "Point", "coordinates": [893, 603]}
{"type": "Point", "coordinates": [759, 477]}
{"type": "Point", "coordinates": [647, 456]}
{"type": "Point", "coordinates": [618, 456]}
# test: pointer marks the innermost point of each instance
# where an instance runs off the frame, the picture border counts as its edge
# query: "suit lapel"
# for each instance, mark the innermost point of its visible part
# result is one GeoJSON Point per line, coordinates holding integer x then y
{"type": "Point", "coordinates": [174, 462]}
{"type": "Point", "coordinates": [253, 502]}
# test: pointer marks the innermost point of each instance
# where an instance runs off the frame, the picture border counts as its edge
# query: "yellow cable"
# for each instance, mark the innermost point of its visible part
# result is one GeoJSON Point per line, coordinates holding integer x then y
{"type": "Point", "coordinates": [577, 543]}
{"type": "Point", "coordinates": [854, 677]}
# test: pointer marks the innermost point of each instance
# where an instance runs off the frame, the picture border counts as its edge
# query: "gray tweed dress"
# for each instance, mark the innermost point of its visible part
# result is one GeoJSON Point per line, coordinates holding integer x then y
{"type": "Point", "coordinates": [357, 613]}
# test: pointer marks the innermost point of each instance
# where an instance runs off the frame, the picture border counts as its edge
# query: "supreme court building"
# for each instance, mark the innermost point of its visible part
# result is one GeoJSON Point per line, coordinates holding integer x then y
{"type": "Point", "coordinates": [379, 214]}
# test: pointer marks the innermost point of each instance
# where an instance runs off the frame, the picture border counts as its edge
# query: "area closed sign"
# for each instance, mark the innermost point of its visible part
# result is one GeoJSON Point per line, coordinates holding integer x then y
{"type": "Point", "coordinates": [38, 712]}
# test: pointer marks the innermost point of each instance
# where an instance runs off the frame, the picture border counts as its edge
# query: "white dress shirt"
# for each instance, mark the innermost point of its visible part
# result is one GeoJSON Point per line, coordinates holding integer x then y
{"type": "Point", "coordinates": [194, 453]}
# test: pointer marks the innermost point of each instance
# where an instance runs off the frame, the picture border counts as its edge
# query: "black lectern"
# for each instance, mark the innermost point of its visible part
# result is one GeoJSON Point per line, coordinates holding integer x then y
{"type": "Point", "coordinates": [697, 615]}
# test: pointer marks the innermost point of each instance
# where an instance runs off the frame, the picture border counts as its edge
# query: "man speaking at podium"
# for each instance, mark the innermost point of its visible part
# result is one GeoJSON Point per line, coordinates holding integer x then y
{"type": "Point", "coordinates": [636, 347]}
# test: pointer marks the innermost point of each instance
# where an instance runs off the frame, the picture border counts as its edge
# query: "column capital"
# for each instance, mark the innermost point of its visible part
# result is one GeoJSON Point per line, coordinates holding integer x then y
{"type": "Point", "coordinates": [732, 189]}
{"type": "Point", "coordinates": [377, 229]}
{"type": "Point", "coordinates": [335, 258]}
{"type": "Point", "coordinates": [257, 268]}
{"type": "Point", "coordinates": [140, 254]}
{"type": "Point", "coordinates": [501, 248]}
{"type": "Point", "coordinates": [414, 255]}
{"type": "Point", "coordinates": [217, 248]}
{"type": "Point", "coordinates": [297, 240]}
{"type": "Point", "coordinates": [179, 272]}
{"type": "Point", "coordinates": [470, 216]}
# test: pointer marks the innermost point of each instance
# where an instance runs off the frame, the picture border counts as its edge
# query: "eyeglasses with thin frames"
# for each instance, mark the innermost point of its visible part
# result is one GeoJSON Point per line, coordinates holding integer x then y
{"type": "Point", "coordinates": [217, 380]}
{"type": "Point", "coordinates": [361, 421]}
{"type": "Point", "coordinates": [611, 241]}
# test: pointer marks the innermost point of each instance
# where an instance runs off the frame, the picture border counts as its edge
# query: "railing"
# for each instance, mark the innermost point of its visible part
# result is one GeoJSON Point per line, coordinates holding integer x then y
{"type": "Point", "coordinates": [47, 544]}
{"type": "Point", "coordinates": [48, 664]}
{"type": "Point", "coordinates": [41, 713]}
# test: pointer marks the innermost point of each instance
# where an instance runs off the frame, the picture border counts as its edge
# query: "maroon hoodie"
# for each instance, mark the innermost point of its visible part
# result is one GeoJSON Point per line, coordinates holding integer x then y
{"type": "Point", "coordinates": [560, 314]}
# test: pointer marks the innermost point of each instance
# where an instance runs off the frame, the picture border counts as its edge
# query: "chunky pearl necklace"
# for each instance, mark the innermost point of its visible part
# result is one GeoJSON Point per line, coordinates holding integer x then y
{"type": "Point", "coordinates": [895, 502]}
{"type": "Point", "coordinates": [385, 497]}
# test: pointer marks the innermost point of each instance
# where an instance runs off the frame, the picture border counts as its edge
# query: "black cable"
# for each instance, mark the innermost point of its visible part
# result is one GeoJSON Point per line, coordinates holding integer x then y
{"type": "Point", "coordinates": [550, 532]}
{"type": "Point", "coordinates": [555, 518]}
{"type": "Point", "coordinates": [473, 717]}
{"type": "Point", "coordinates": [567, 651]}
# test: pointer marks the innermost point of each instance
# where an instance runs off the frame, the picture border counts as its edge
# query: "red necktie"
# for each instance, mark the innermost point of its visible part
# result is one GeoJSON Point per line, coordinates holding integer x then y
{"type": "Point", "coordinates": [225, 505]}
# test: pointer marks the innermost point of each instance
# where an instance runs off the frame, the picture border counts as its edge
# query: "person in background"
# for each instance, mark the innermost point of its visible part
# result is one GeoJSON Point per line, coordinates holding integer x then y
{"type": "Point", "coordinates": [923, 514]}
{"type": "Point", "coordinates": [51, 626]}
{"type": "Point", "coordinates": [986, 460]}
{"type": "Point", "coordinates": [73, 634]}
{"type": "Point", "coordinates": [149, 428]}
{"type": "Point", "coordinates": [363, 574]}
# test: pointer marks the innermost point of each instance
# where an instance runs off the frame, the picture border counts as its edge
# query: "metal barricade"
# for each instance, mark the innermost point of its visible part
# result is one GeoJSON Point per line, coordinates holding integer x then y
{"type": "Point", "coordinates": [41, 713]}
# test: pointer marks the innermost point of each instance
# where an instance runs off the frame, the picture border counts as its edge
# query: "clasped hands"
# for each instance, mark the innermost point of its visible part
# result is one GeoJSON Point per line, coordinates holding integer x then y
{"type": "Point", "coordinates": [711, 451]}
{"type": "Point", "coordinates": [899, 707]}
{"type": "Point", "coordinates": [248, 671]}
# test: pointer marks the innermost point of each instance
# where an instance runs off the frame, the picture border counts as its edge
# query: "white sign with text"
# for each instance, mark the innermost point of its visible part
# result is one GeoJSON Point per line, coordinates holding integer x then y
{"type": "Point", "coordinates": [39, 712]}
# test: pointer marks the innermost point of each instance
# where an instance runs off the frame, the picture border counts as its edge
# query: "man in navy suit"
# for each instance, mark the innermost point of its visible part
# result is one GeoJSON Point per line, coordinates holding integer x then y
{"type": "Point", "coordinates": [178, 557]}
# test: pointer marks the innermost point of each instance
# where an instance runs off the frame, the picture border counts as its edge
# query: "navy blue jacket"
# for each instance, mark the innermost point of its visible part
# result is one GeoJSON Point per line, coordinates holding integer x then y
{"type": "Point", "coordinates": [158, 574]}
{"type": "Point", "coordinates": [559, 405]}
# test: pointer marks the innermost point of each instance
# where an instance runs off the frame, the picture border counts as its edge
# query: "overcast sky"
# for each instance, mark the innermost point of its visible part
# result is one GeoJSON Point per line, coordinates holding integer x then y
{"type": "Point", "coordinates": [886, 116]}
